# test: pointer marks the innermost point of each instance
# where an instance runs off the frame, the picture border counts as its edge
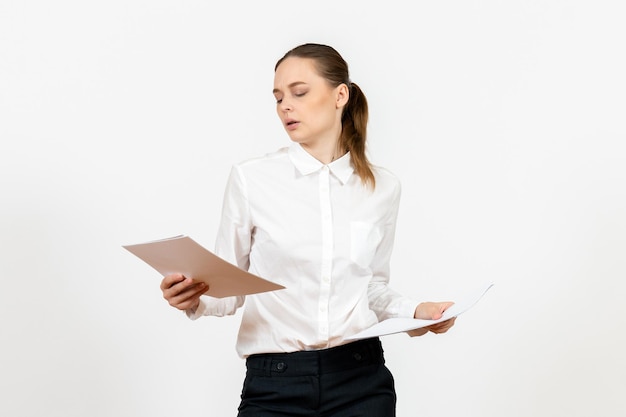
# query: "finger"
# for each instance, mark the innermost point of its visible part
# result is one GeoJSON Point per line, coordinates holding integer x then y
{"type": "Point", "coordinates": [446, 325]}
{"type": "Point", "coordinates": [178, 287]}
{"type": "Point", "coordinates": [170, 280]}
{"type": "Point", "coordinates": [443, 306]}
{"type": "Point", "coordinates": [446, 305]}
{"type": "Point", "coordinates": [440, 308]}
{"type": "Point", "coordinates": [186, 290]}
{"type": "Point", "coordinates": [189, 303]}
{"type": "Point", "coordinates": [179, 291]}
{"type": "Point", "coordinates": [443, 327]}
{"type": "Point", "coordinates": [417, 332]}
{"type": "Point", "coordinates": [188, 296]}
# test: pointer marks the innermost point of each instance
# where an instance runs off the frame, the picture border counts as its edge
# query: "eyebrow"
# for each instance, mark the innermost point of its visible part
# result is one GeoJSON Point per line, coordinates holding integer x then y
{"type": "Point", "coordinates": [276, 90]}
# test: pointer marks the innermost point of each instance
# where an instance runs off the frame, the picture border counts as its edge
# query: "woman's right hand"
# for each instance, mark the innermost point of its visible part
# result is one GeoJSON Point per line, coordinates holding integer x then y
{"type": "Point", "coordinates": [182, 292]}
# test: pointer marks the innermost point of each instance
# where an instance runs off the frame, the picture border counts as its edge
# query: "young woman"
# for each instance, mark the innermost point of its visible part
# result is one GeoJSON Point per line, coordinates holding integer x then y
{"type": "Point", "coordinates": [319, 219]}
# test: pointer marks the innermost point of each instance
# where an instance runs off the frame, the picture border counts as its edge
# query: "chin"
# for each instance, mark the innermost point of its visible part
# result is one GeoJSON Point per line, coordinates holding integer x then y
{"type": "Point", "coordinates": [296, 138]}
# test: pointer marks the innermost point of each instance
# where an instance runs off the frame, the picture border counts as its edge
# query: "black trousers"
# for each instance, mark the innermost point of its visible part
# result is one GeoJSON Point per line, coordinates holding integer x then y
{"type": "Point", "coordinates": [345, 381]}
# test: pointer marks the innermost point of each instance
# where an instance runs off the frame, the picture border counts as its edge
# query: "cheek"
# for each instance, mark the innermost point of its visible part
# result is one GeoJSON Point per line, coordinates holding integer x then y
{"type": "Point", "coordinates": [322, 110]}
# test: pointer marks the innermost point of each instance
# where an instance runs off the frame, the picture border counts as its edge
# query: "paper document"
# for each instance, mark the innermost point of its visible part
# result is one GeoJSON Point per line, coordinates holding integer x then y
{"type": "Point", "coordinates": [391, 326]}
{"type": "Point", "coordinates": [181, 254]}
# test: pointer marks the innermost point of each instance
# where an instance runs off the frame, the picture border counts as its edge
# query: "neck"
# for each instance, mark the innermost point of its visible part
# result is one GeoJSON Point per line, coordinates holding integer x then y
{"type": "Point", "coordinates": [325, 154]}
{"type": "Point", "coordinates": [325, 148]}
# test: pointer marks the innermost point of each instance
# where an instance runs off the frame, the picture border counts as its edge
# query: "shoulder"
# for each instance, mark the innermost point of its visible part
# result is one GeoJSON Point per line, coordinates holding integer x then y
{"type": "Point", "coordinates": [386, 179]}
{"type": "Point", "coordinates": [262, 162]}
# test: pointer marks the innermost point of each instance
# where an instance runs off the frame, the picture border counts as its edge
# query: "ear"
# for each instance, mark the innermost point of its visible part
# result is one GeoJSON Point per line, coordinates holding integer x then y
{"type": "Point", "coordinates": [342, 95]}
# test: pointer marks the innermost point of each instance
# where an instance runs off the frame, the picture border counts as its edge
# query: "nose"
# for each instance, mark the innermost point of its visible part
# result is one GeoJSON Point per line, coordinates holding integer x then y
{"type": "Point", "coordinates": [285, 105]}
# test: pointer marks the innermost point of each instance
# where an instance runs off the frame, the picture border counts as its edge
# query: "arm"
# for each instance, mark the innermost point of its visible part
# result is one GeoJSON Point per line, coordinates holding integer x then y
{"type": "Point", "coordinates": [384, 301]}
{"type": "Point", "coordinates": [232, 244]}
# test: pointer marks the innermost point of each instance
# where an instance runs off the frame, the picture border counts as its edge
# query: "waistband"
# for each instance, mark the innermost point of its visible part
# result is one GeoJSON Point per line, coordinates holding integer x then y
{"type": "Point", "coordinates": [315, 362]}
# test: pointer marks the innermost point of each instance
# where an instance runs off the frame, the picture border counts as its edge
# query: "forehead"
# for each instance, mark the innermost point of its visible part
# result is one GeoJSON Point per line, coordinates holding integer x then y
{"type": "Point", "coordinates": [294, 69]}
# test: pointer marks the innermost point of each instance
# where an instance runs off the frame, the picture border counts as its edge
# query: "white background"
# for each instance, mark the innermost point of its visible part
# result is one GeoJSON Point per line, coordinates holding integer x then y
{"type": "Point", "coordinates": [505, 121]}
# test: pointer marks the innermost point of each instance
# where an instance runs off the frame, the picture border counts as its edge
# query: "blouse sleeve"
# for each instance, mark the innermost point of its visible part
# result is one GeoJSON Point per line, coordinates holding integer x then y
{"type": "Point", "coordinates": [383, 300]}
{"type": "Point", "coordinates": [232, 244]}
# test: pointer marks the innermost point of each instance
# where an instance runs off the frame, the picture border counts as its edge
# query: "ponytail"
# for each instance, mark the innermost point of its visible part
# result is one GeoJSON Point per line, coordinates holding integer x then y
{"type": "Point", "coordinates": [354, 133]}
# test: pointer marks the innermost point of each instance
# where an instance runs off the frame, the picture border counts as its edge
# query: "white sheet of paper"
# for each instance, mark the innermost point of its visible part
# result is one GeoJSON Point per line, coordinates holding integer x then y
{"type": "Point", "coordinates": [391, 326]}
{"type": "Point", "coordinates": [181, 254]}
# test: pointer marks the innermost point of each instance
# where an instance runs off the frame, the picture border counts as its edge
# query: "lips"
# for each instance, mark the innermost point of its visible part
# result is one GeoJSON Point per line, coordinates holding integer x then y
{"type": "Point", "coordinates": [291, 124]}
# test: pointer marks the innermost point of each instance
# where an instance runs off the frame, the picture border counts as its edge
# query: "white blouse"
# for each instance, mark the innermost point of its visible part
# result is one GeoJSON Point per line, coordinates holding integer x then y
{"type": "Point", "coordinates": [318, 231]}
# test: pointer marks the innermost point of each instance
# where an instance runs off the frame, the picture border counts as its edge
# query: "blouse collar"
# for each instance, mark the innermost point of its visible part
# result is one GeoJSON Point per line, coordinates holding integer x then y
{"type": "Point", "coordinates": [306, 163]}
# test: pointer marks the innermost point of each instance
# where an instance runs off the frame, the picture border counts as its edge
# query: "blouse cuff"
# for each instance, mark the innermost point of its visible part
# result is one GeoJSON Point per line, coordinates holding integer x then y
{"type": "Point", "coordinates": [193, 314]}
{"type": "Point", "coordinates": [406, 308]}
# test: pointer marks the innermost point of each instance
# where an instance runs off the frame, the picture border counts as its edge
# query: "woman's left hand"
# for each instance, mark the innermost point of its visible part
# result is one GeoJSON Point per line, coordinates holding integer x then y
{"type": "Point", "coordinates": [432, 311]}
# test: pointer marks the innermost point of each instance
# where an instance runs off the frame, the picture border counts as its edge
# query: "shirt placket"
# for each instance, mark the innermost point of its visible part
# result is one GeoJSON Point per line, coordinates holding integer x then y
{"type": "Point", "coordinates": [327, 252]}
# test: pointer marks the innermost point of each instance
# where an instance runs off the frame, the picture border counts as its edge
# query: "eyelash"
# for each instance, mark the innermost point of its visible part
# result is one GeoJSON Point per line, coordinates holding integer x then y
{"type": "Point", "coordinates": [278, 101]}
